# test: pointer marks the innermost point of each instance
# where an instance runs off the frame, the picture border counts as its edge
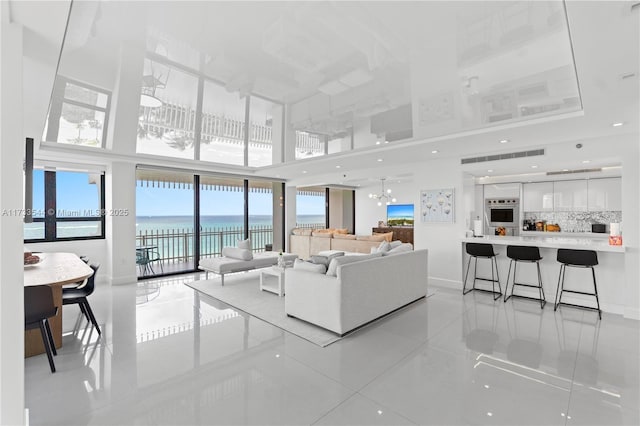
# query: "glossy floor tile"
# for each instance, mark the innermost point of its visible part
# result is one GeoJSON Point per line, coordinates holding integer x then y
{"type": "Point", "coordinates": [168, 355]}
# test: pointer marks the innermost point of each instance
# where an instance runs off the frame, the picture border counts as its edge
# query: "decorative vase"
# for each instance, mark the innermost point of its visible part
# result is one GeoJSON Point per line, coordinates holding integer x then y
{"type": "Point", "coordinates": [281, 261]}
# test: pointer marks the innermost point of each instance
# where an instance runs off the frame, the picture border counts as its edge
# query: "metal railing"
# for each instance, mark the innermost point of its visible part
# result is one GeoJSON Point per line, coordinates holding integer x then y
{"type": "Point", "coordinates": [177, 245]}
{"type": "Point", "coordinates": [180, 119]}
{"type": "Point", "coordinates": [321, 225]}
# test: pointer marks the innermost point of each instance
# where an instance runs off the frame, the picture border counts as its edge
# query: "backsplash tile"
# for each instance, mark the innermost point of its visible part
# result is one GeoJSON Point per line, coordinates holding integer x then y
{"type": "Point", "coordinates": [576, 221]}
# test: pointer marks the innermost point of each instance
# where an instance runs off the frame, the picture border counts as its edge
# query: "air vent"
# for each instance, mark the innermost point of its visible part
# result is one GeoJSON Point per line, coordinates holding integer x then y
{"type": "Point", "coordinates": [570, 172]}
{"type": "Point", "coordinates": [506, 156]}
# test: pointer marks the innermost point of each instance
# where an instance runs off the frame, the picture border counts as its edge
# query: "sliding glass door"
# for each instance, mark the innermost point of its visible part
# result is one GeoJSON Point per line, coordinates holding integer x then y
{"type": "Point", "coordinates": [164, 222]}
{"type": "Point", "coordinates": [182, 217]}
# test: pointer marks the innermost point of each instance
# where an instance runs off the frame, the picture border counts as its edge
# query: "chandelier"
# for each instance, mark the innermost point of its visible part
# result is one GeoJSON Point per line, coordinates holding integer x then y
{"type": "Point", "coordinates": [383, 196]}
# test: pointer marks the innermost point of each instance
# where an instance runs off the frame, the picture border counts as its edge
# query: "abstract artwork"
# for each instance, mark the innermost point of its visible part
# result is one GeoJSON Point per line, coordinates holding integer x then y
{"type": "Point", "coordinates": [436, 205]}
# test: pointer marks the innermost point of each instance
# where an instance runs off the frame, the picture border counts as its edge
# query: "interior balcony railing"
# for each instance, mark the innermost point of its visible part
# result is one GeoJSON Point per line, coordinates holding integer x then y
{"type": "Point", "coordinates": [180, 119]}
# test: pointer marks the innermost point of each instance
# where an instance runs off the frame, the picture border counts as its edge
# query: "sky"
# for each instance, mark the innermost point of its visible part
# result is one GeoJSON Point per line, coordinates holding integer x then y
{"type": "Point", "coordinates": [74, 193]}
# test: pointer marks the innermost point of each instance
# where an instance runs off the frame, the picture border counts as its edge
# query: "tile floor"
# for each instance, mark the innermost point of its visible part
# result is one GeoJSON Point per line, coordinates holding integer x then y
{"type": "Point", "coordinates": [169, 357]}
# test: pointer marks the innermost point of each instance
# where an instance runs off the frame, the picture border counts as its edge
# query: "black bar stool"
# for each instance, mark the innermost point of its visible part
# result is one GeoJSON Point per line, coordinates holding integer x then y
{"type": "Point", "coordinates": [524, 254]}
{"type": "Point", "coordinates": [577, 259]}
{"type": "Point", "coordinates": [483, 251]}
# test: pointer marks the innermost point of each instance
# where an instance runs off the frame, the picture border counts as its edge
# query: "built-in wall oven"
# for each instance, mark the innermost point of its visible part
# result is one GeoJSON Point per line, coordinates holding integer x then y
{"type": "Point", "coordinates": [502, 216]}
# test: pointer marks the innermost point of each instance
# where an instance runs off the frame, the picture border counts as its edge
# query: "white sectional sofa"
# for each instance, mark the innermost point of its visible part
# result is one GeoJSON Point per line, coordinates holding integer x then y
{"type": "Point", "coordinates": [360, 292]}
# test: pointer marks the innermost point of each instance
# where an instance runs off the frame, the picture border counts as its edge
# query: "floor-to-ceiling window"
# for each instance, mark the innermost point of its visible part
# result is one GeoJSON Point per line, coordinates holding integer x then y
{"type": "Point", "coordinates": [311, 204]}
{"type": "Point", "coordinates": [221, 214]}
{"type": "Point", "coordinates": [261, 213]}
{"type": "Point", "coordinates": [179, 212]}
{"type": "Point", "coordinates": [164, 222]}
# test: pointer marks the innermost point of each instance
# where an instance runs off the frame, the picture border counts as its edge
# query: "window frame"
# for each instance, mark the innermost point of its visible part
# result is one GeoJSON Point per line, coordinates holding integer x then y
{"type": "Point", "coordinates": [58, 99]}
{"type": "Point", "coordinates": [51, 221]}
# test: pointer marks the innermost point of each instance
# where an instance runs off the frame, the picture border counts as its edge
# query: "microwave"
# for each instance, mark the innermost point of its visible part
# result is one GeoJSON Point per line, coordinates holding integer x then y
{"type": "Point", "coordinates": [503, 212]}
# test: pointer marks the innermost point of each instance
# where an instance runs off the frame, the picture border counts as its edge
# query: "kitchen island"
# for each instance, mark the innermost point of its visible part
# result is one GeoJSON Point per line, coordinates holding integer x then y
{"type": "Point", "coordinates": [609, 272]}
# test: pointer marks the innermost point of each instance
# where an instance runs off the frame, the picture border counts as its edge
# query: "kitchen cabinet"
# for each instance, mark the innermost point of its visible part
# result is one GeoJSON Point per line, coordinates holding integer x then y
{"type": "Point", "coordinates": [537, 197]}
{"type": "Point", "coordinates": [502, 190]}
{"type": "Point", "coordinates": [604, 194]}
{"type": "Point", "coordinates": [570, 195]}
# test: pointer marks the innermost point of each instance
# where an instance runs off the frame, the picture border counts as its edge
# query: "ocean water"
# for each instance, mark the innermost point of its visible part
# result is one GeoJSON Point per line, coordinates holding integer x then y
{"type": "Point", "coordinates": [172, 236]}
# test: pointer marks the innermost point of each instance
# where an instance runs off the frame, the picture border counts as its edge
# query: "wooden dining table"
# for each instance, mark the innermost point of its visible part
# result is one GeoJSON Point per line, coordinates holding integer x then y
{"type": "Point", "coordinates": [55, 270]}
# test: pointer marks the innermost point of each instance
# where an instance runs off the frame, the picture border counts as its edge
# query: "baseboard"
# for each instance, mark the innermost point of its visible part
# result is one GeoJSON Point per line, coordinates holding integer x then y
{"type": "Point", "coordinates": [632, 313]}
{"type": "Point", "coordinates": [122, 280]}
{"type": "Point", "coordinates": [444, 282]}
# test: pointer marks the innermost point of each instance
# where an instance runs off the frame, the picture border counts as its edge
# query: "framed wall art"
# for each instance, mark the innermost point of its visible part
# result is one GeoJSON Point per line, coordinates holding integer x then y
{"type": "Point", "coordinates": [437, 205]}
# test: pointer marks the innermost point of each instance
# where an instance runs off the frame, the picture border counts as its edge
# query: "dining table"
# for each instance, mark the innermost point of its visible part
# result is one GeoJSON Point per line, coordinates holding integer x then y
{"type": "Point", "coordinates": [55, 270]}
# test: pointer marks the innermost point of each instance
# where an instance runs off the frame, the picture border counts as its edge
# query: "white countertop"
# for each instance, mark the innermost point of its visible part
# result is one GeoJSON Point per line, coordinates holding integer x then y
{"type": "Point", "coordinates": [548, 241]}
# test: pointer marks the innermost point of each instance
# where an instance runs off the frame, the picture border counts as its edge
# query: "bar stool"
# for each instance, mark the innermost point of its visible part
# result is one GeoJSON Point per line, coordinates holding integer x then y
{"type": "Point", "coordinates": [483, 251]}
{"type": "Point", "coordinates": [577, 259]}
{"type": "Point", "coordinates": [524, 254]}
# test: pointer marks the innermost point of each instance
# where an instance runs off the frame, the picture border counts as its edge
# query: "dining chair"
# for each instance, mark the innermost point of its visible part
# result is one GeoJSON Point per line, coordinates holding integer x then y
{"type": "Point", "coordinates": [38, 308]}
{"type": "Point", "coordinates": [78, 295]}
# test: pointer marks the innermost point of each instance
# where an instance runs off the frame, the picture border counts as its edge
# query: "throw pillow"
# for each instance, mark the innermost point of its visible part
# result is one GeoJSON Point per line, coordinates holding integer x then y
{"type": "Point", "coordinates": [387, 235]}
{"type": "Point", "coordinates": [341, 231]}
{"type": "Point", "coordinates": [244, 244]}
{"type": "Point", "coordinates": [344, 236]}
{"type": "Point", "coordinates": [237, 253]}
{"type": "Point", "coordinates": [383, 247]}
{"type": "Point", "coordinates": [317, 268]}
{"type": "Point", "coordinates": [395, 243]}
{"type": "Point", "coordinates": [402, 248]}
{"type": "Point", "coordinates": [322, 234]}
{"type": "Point", "coordinates": [320, 260]}
{"type": "Point", "coordinates": [301, 231]}
{"type": "Point", "coordinates": [378, 238]}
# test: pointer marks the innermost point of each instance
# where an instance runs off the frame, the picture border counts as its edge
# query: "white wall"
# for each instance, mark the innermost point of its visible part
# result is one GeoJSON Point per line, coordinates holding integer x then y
{"type": "Point", "coordinates": [441, 239]}
{"type": "Point", "coordinates": [11, 272]}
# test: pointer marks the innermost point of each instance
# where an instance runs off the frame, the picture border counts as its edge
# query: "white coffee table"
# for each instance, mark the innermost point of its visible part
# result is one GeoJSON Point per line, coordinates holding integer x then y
{"type": "Point", "coordinates": [276, 272]}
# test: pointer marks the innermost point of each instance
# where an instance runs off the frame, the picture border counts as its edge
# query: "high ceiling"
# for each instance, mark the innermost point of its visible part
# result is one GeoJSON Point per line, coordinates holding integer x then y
{"type": "Point", "coordinates": [464, 75]}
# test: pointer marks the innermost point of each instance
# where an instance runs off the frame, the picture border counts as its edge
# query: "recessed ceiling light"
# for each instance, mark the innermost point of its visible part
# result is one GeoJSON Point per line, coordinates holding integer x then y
{"type": "Point", "coordinates": [337, 167]}
{"type": "Point", "coordinates": [534, 167]}
{"type": "Point", "coordinates": [386, 141]}
{"type": "Point", "coordinates": [618, 124]}
{"type": "Point", "coordinates": [504, 140]}
{"type": "Point", "coordinates": [379, 160]}
{"type": "Point", "coordinates": [586, 161]}
{"type": "Point", "coordinates": [377, 142]}
{"type": "Point", "coordinates": [565, 170]}
{"type": "Point", "coordinates": [304, 171]}
{"type": "Point", "coordinates": [486, 176]}
{"type": "Point", "coordinates": [435, 151]}
{"type": "Point", "coordinates": [490, 171]}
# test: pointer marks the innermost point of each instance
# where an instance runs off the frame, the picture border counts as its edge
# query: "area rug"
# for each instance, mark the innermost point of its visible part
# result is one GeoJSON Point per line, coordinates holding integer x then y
{"type": "Point", "coordinates": [242, 292]}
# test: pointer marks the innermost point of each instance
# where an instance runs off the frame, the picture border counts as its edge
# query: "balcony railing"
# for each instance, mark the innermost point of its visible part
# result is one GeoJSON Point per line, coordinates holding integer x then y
{"type": "Point", "coordinates": [176, 246]}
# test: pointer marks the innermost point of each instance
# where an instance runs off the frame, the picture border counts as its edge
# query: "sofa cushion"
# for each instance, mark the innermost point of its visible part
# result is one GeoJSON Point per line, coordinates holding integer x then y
{"type": "Point", "coordinates": [317, 268]}
{"type": "Point", "coordinates": [344, 236]}
{"type": "Point", "coordinates": [388, 236]}
{"type": "Point", "coordinates": [237, 253]}
{"type": "Point", "coordinates": [402, 248]}
{"type": "Point", "coordinates": [301, 231]}
{"type": "Point", "coordinates": [244, 244]}
{"type": "Point", "coordinates": [379, 238]}
{"type": "Point", "coordinates": [341, 231]}
{"type": "Point", "coordinates": [342, 260]}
